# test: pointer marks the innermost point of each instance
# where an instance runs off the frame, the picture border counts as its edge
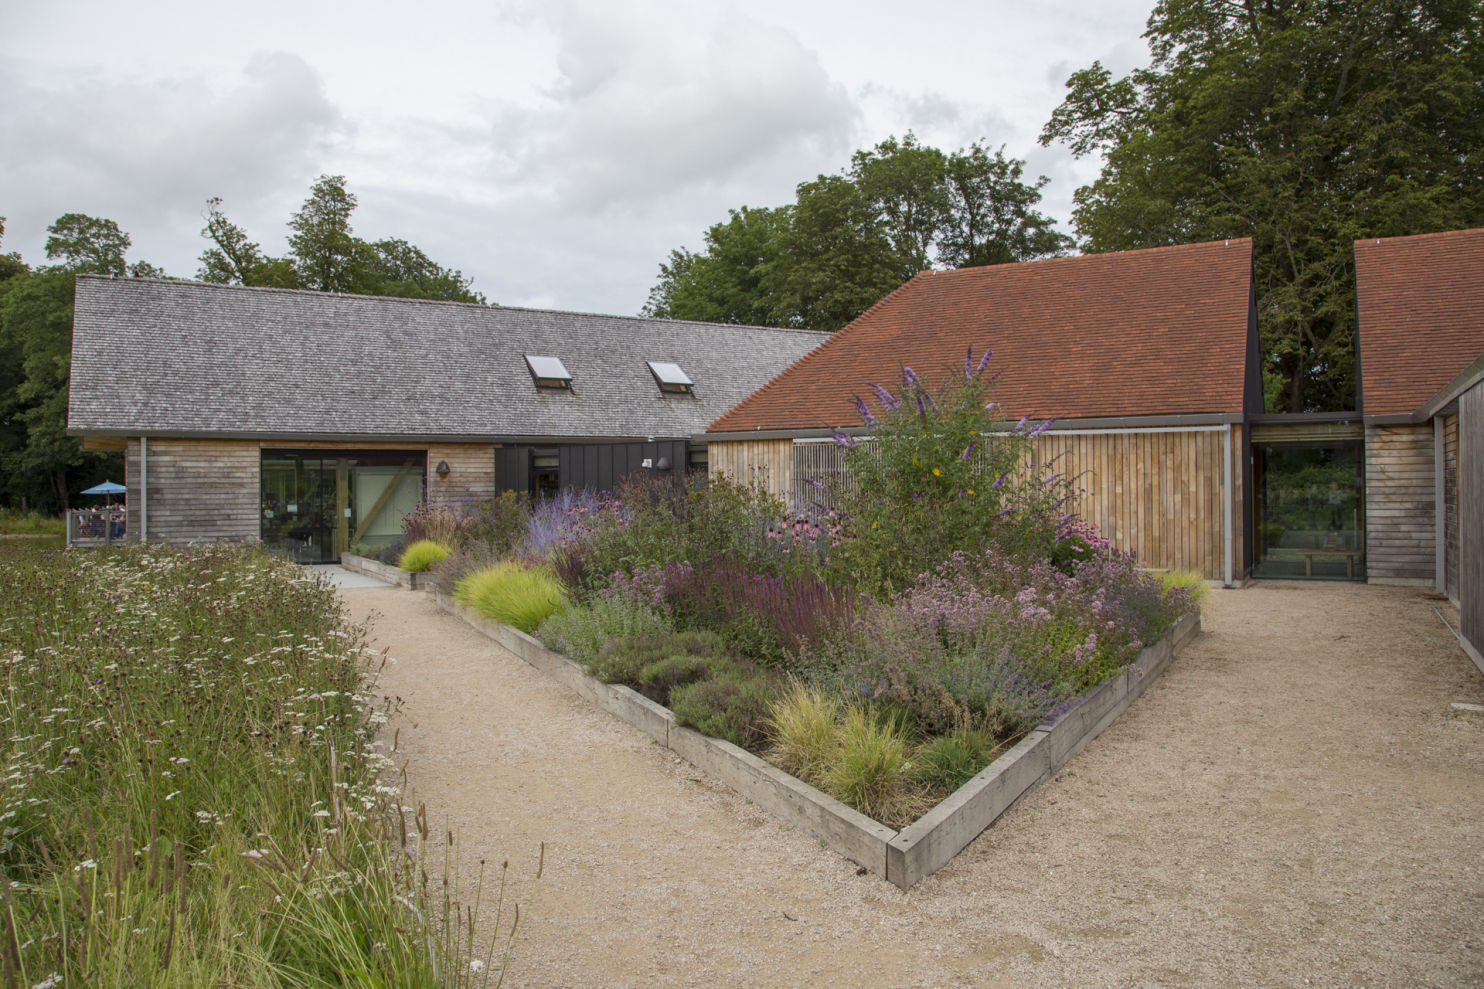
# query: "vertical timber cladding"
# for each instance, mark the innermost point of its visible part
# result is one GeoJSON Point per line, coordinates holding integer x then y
{"type": "Point", "coordinates": [1470, 428]}
{"type": "Point", "coordinates": [199, 490]}
{"type": "Point", "coordinates": [1450, 507]}
{"type": "Point", "coordinates": [1154, 493]}
{"type": "Point", "coordinates": [471, 472]}
{"type": "Point", "coordinates": [1400, 504]}
{"type": "Point", "coordinates": [768, 464]}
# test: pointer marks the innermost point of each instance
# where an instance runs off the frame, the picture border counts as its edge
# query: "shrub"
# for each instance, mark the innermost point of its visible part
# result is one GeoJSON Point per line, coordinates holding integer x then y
{"type": "Point", "coordinates": [732, 705]}
{"type": "Point", "coordinates": [438, 523]}
{"type": "Point", "coordinates": [421, 555]}
{"type": "Point", "coordinates": [495, 523]}
{"type": "Point", "coordinates": [765, 617]}
{"type": "Point", "coordinates": [941, 473]}
{"type": "Point", "coordinates": [660, 678]}
{"type": "Point", "coordinates": [580, 631]}
{"type": "Point", "coordinates": [624, 659]}
{"type": "Point", "coordinates": [510, 593]}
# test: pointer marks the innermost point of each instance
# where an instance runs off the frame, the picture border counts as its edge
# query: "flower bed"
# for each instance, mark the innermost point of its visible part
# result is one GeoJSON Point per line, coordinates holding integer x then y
{"type": "Point", "coordinates": [884, 644]}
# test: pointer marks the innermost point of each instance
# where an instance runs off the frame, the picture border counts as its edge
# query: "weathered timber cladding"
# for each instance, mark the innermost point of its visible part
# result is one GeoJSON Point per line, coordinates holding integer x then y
{"type": "Point", "coordinates": [764, 463]}
{"type": "Point", "coordinates": [471, 472]}
{"type": "Point", "coordinates": [1155, 494]}
{"type": "Point", "coordinates": [1450, 506]}
{"type": "Point", "coordinates": [1471, 515]}
{"type": "Point", "coordinates": [199, 490]}
{"type": "Point", "coordinates": [1401, 516]}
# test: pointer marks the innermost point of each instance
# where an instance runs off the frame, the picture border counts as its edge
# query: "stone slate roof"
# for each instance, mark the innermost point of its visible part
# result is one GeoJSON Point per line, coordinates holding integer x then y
{"type": "Point", "coordinates": [1158, 332]}
{"type": "Point", "coordinates": [188, 358]}
{"type": "Point", "coordinates": [1420, 309]}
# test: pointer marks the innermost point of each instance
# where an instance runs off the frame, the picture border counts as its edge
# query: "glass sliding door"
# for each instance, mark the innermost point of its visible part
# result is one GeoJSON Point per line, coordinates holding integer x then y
{"type": "Point", "coordinates": [317, 504]}
{"type": "Point", "coordinates": [1309, 508]}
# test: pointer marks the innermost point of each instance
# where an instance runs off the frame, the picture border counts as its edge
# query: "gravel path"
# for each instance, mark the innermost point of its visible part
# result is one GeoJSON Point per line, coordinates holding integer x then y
{"type": "Point", "coordinates": [1293, 803]}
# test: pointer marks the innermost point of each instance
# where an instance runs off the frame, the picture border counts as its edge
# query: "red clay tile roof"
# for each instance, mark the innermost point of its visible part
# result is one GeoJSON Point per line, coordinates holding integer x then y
{"type": "Point", "coordinates": [1152, 332]}
{"type": "Point", "coordinates": [1420, 305]}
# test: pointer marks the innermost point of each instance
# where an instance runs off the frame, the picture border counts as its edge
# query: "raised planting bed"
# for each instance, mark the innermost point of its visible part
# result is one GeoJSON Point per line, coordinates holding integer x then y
{"type": "Point", "coordinates": [904, 856]}
{"type": "Point", "coordinates": [384, 571]}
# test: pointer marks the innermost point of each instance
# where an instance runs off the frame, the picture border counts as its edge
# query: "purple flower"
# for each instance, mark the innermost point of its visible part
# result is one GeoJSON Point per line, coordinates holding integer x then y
{"type": "Point", "coordinates": [983, 362]}
{"type": "Point", "coordinates": [1042, 428]}
{"type": "Point", "coordinates": [865, 413]}
{"type": "Point", "coordinates": [909, 377]}
{"type": "Point", "coordinates": [845, 440]}
{"type": "Point", "coordinates": [888, 400]}
{"type": "Point", "coordinates": [967, 451]}
{"type": "Point", "coordinates": [969, 364]}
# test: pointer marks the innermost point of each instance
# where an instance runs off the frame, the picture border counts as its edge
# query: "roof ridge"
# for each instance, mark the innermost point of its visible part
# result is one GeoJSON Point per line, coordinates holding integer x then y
{"type": "Point", "coordinates": [409, 300]}
{"type": "Point", "coordinates": [1433, 235]}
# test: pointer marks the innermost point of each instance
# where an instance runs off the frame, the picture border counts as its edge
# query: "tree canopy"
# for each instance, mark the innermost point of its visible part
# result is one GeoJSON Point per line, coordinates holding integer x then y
{"type": "Point", "coordinates": [39, 463]}
{"type": "Point", "coordinates": [325, 254]}
{"type": "Point", "coordinates": [1305, 124]}
{"type": "Point", "coordinates": [850, 238]}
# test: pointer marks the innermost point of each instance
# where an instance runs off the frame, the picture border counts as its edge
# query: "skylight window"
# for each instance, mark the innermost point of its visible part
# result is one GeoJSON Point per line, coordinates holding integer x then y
{"type": "Point", "coordinates": [670, 377]}
{"type": "Point", "coordinates": [549, 372]}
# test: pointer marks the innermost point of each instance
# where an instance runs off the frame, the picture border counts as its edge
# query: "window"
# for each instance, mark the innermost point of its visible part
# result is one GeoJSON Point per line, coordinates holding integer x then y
{"type": "Point", "coordinates": [548, 372]}
{"type": "Point", "coordinates": [670, 377]}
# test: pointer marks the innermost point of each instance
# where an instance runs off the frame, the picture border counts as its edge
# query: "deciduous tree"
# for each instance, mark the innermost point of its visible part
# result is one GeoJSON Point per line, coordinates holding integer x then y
{"type": "Point", "coordinates": [1305, 124]}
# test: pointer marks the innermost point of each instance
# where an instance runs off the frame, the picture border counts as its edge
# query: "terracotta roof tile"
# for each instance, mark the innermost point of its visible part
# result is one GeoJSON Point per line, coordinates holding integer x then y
{"type": "Point", "coordinates": [1152, 332]}
{"type": "Point", "coordinates": [1420, 306]}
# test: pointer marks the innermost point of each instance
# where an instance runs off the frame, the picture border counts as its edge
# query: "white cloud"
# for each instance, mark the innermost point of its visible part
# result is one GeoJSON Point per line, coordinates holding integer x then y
{"type": "Point", "coordinates": [149, 153]}
{"type": "Point", "coordinates": [635, 115]}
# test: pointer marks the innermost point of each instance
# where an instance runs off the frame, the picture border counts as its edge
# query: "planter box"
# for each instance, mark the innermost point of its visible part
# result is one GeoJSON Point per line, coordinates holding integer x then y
{"type": "Point", "coordinates": [905, 856]}
{"type": "Point", "coordinates": [384, 571]}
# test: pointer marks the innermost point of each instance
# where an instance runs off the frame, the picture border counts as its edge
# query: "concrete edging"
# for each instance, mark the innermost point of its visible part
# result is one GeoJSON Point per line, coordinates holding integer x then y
{"type": "Point", "coordinates": [905, 856]}
{"type": "Point", "coordinates": [384, 571]}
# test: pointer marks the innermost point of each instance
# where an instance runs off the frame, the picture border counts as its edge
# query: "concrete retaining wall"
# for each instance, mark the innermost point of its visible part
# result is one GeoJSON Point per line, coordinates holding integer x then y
{"type": "Point", "coordinates": [903, 856]}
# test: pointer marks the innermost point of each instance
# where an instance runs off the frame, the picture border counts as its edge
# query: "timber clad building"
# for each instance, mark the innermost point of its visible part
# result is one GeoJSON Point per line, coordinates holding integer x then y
{"type": "Point", "coordinates": [314, 422]}
{"type": "Point", "coordinates": [1146, 360]}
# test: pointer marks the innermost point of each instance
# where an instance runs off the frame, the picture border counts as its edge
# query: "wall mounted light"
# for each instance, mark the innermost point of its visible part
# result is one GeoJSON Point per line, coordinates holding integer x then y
{"type": "Point", "coordinates": [663, 464]}
{"type": "Point", "coordinates": [442, 468]}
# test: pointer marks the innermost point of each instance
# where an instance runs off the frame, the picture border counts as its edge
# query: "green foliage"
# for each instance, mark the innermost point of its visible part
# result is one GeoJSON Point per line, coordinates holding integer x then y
{"type": "Point", "coordinates": [733, 705]}
{"type": "Point", "coordinates": [511, 594]}
{"type": "Point", "coordinates": [945, 763]}
{"type": "Point", "coordinates": [326, 255]}
{"type": "Point", "coordinates": [1306, 125]}
{"type": "Point", "coordinates": [851, 238]}
{"type": "Point", "coordinates": [942, 473]}
{"type": "Point", "coordinates": [624, 659]}
{"type": "Point", "coordinates": [693, 518]}
{"type": "Point", "coordinates": [31, 523]}
{"type": "Point", "coordinates": [421, 555]}
{"type": "Point", "coordinates": [40, 465]}
{"type": "Point", "coordinates": [87, 244]}
{"type": "Point", "coordinates": [1193, 583]}
{"type": "Point", "coordinates": [801, 726]}
{"type": "Point", "coordinates": [156, 839]}
{"type": "Point", "coordinates": [871, 770]}
{"type": "Point", "coordinates": [582, 630]}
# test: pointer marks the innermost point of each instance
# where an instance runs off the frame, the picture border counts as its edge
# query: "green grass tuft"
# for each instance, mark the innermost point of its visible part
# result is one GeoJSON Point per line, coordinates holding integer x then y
{"type": "Point", "coordinates": [1188, 579]}
{"type": "Point", "coordinates": [421, 555]}
{"type": "Point", "coordinates": [511, 594]}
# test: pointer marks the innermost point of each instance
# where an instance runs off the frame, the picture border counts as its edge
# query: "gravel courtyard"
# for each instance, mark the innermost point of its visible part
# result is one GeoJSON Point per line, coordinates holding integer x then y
{"type": "Point", "coordinates": [1293, 803]}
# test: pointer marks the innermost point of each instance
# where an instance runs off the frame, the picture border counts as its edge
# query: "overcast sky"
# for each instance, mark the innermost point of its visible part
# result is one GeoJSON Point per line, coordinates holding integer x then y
{"type": "Point", "coordinates": [554, 151]}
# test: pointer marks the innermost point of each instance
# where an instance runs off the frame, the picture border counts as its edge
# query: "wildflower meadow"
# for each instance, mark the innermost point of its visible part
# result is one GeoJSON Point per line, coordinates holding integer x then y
{"type": "Point", "coordinates": [195, 790]}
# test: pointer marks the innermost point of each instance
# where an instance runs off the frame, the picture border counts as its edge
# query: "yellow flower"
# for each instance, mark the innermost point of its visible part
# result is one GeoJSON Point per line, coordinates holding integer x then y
{"type": "Point", "coordinates": [971, 491]}
{"type": "Point", "coordinates": [937, 472]}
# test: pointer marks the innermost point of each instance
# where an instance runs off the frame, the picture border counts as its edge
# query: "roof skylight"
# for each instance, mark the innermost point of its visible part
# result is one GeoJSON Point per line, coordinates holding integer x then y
{"type": "Point", "coordinates": [670, 377]}
{"type": "Point", "coordinates": [549, 372]}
